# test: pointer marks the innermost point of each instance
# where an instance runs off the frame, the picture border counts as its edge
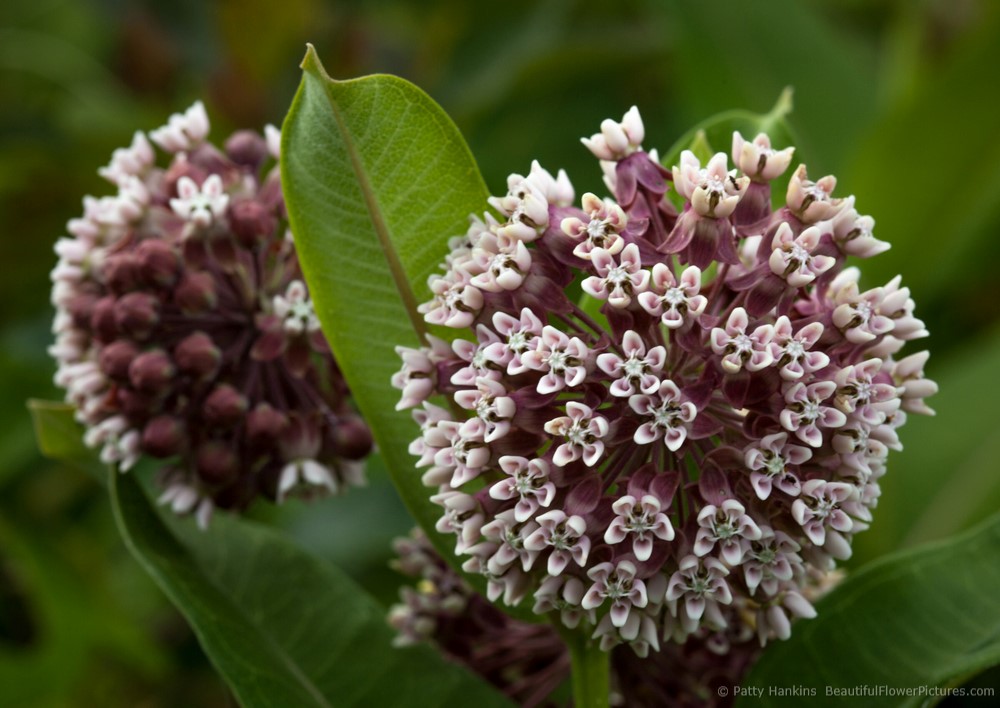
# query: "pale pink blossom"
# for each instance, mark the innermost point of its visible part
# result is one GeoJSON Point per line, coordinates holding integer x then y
{"type": "Point", "coordinates": [792, 353]}
{"type": "Point", "coordinates": [643, 519]}
{"type": "Point", "coordinates": [582, 432]}
{"type": "Point", "coordinates": [792, 256]}
{"type": "Point", "coordinates": [603, 228]}
{"type": "Point", "coordinates": [563, 360]}
{"type": "Point", "coordinates": [713, 191]}
{"type": "Point", "coordinates": [740, 349]}
{"type": "Point", "coordinates": [616, 281]}
{"type": "Point", "coordinates": [668, 417]}
{"type": "Point", "coordinates": [757, 159]}
{"type": "Point", "coordinates": [638, 371]}
{"type": "Point", "coordinates": [675, 303]}
{"type": "Point", "coordinates": [528, 482]}
{"type": "Point", "coordinates": [615, 582]}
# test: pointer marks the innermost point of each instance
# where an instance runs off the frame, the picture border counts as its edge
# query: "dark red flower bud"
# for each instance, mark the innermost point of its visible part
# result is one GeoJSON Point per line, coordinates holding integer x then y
{"type": "Point", "coordinates": [137, 314]}
{"type": "Point", "coordinates": [121, 273]}
{"type": "Point", "coordinates": [104, 320]}
{"type": "Point", "coordinates": [251, 222]}
{"type": "Point", "coordinates": [265, 424]}
{"type": "Point", "coordinates": [196, 293]}
{"type": "Point", "coordinates": [158, 263]}
{"type": "Point", "coordinates": [135, 404]}
{"type": "Point", "coordinates": [117, 357]}
{"type": "Point", "coordinates": [246, 147]}
{"type": "Point", "coordinates": [81, 308]}
{"type": "Point", "coordinates": [152, 372]}
{"type": "Point", "coordinates": [271, 341]}
{"type": "Point", "coordinates": [352, 439]}
{"type": "Point", "coordinates": [163, 436]}
{"type": "Point", "coordinates": [225, 406]}
{"type": "Point", "coordinates": [216, 462]}
{"type": "Point", "coordinates": [197, 355]}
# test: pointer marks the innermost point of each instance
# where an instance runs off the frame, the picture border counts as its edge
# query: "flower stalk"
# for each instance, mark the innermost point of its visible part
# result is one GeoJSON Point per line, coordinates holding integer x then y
{"type": "Point", "coordinates": [590, 670]}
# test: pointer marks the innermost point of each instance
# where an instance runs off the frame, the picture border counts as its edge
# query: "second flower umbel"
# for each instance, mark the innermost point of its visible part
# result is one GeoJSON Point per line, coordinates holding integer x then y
{"type": "Point", "coordinates": [684, 455]}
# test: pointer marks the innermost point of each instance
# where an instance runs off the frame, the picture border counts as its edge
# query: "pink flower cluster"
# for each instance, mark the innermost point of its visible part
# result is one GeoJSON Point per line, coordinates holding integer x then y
{"type": "Point", "coordinates": [687, 448]}
{"type": "Point", "coordinates": [184, 330]}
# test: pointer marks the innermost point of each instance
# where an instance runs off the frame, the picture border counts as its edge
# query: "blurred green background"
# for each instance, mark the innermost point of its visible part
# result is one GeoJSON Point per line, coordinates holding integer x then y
{"type": "Point", "coordinates": [899, 99]}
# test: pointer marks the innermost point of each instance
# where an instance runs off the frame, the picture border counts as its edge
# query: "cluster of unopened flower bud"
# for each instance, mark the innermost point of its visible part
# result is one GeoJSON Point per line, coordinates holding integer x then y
{"type": "Point", "coordinates": [526, 661]}
{"type": "Point", "coordinates": [184, 330]}
{"type": "Point", "coordinates": [686, 451]}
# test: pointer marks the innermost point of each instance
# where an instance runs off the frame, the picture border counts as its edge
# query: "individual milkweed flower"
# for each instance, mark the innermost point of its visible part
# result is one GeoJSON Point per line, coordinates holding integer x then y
{"type": "Point", "coordinates": [739, 348]}
{"type": "Point", "coordinates": [674, 301]}
{"type": "Point", "coordinates": [666, 416]}
{"type": "Point", "coordinates": [642, 519]}
{"type": "Point", "coordinates": [582, 431]}
{"type": "Point", "coordinates": [184, 331]}
{"type": "Point", "coordinates": [733, 352]}
{"type": "Point", "coordinates": [602, 229]}
{"type": "Point", "coordinates": [725, 527]}
{"type": "Point", "coordinates": [771, 460]}
{"type": "Point", "coordinates": [618, 584]}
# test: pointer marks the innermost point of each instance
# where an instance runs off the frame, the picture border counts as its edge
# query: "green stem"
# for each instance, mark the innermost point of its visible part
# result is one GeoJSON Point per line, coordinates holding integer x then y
{"type": "Point", "coordinates": [591, 669]}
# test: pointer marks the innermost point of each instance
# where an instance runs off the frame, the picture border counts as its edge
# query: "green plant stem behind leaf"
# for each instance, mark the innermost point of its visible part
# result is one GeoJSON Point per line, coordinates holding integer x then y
{"type": "Point", "coordinates": [376, 178]}
{"type": "Point", "coordinates": [283, 628]}
{"type": "Point", "coordinates": [715, 134]}
{"type": "Point", "coordinates": [926, 617]}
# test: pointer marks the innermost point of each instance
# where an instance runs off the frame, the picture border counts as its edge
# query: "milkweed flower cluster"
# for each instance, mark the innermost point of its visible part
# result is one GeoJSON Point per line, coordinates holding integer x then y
{"type": "Point", "coordinates": [184, 330]}
{"type": "Point", "coordinates": [688, 450]}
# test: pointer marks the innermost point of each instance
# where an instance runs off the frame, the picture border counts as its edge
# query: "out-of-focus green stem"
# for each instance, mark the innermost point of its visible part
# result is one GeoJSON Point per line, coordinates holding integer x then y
{"type": "Point", "coordinates": [591, 670]}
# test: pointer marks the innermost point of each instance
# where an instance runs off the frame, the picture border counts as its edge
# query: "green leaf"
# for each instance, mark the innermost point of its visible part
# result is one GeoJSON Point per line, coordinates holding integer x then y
{"type": "Point", "coordinates": [60, 437]}
{"type": "Point", "coordinates": [925, 617]}
{"type": "Point", "coordinates": [944, 128]}
{"type": "Point", "coordinates": [376, 178]}
{"type": "Point", "coordinates": [715, 134]}
{"type": "Point", "coordinates": [732, 53]}
{"type": "Point", "coordinates": [281, 627]}
{"type": "Point", "coordinates": [945, 479]}
{"type": "Point", "coordinates": [75, 623]}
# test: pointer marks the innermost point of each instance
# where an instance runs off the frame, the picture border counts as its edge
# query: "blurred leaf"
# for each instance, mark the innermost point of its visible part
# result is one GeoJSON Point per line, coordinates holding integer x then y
{"type": "Point", "coordinates": [732, 53]}
{"type": "Point", "coordinates": [98, 98]}
{"type": "Point", "coordinates": [926, 617]}
{"type": "Point", "coordinates": [280, 626]}
{"type": "Point", "coordinates": [260, 34]}
{"type": "Point", "coordinates": [339, 530]}
{"type": "Point", "coordinates": [715, 134]}
{"type": "Point", "coordinates": [74, 625]}
{"type": "Point", "coordinates": [60, 437]}
{"type": "Point", "coordinates": [945, 479]}
{"type": "Point", "coordinates": [943, 130]}
{"type": "Point", "coordinates": [376, 178]}
{"type": "Point", "coordinates": [23, 373]}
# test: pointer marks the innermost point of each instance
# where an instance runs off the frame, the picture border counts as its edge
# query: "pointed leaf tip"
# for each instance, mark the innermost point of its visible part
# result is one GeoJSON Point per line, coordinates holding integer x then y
{"type": "Point", "coordinates": [311, 63]}
{"type": "Point", "coordinates": [785, 103]}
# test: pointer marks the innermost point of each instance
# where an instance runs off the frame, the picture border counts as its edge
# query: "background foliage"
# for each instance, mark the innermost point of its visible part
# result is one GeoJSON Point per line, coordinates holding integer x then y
{"type": "Point", "coordinates": [893, 97]}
